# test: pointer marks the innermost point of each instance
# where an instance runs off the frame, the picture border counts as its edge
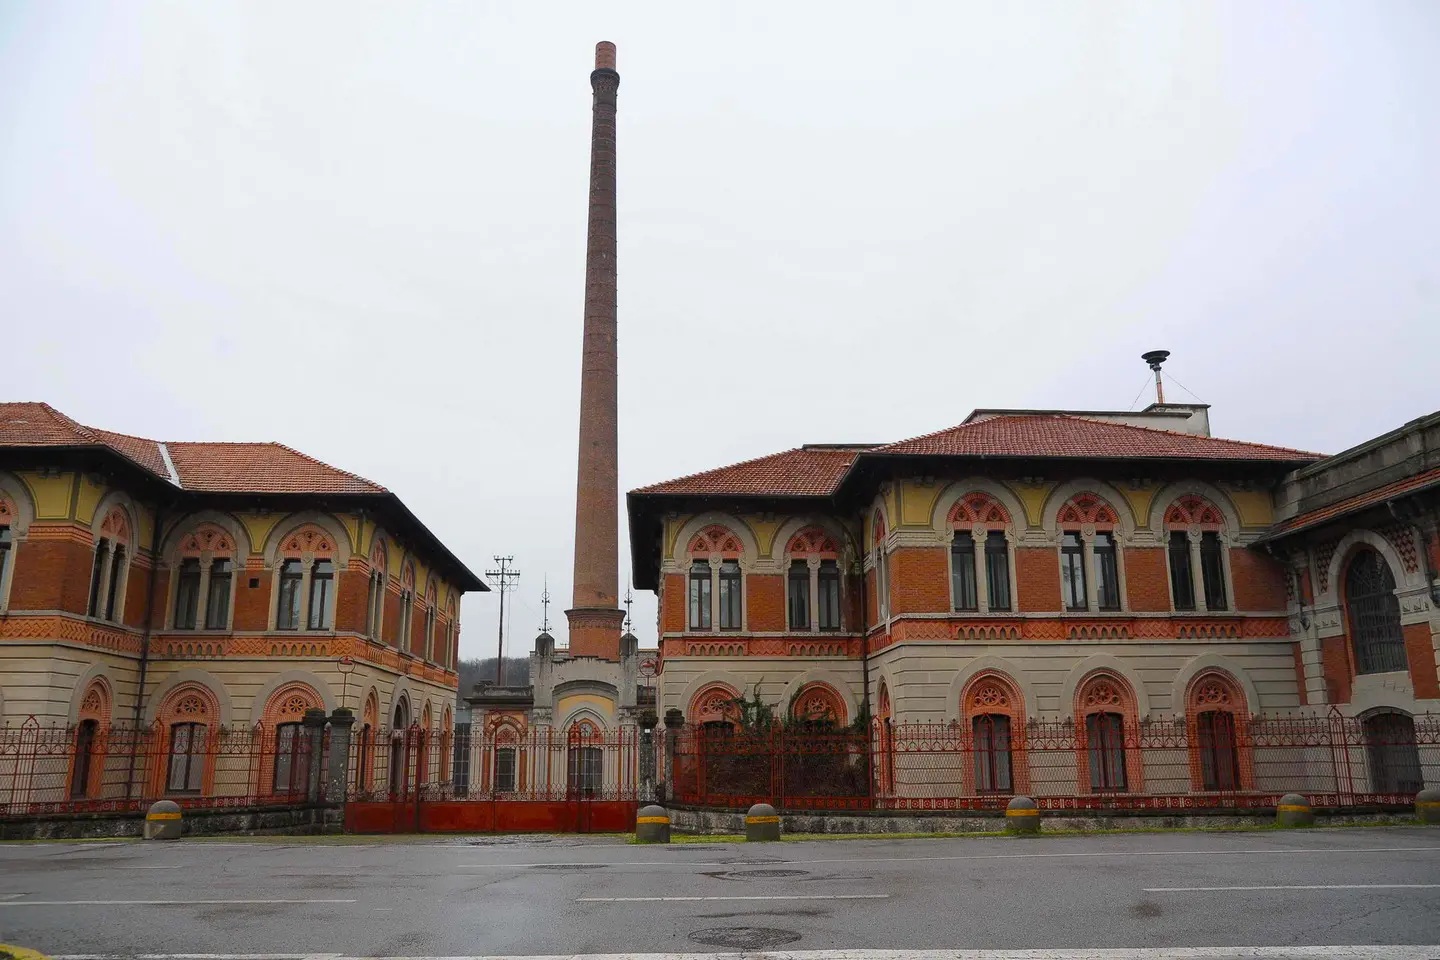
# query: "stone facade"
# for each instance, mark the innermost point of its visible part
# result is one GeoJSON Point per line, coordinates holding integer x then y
{"type": "Point", "coordinates": [226, 588]}
{"type": "Point", "coordinates": [1153, 572]}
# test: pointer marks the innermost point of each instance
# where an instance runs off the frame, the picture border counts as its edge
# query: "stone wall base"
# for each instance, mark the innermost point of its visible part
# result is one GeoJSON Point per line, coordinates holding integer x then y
{"type": "Point", "coordinates": [731, 822]}
{"type": "Point", "coordinates": [298, 821]}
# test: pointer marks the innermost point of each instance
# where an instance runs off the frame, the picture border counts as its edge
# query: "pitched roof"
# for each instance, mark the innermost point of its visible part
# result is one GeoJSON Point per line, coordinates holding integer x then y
{"type": "Point", "coordinates": [1370, 498]}
{"type": "Point", "coordinates": [814, 471]}
{"type": "Point", "coordinates": [207, 467]}
{"type": "Point", "coordinates": [1065, 435]}
{"type": "Point", "coordinates": [819, 470]}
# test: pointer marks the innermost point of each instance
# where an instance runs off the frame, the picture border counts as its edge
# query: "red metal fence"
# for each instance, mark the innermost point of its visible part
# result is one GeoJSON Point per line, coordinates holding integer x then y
{"type": "Point", "coordinates": [92, 769]}
{"type": "Point", "coordinates": [1158, 764]}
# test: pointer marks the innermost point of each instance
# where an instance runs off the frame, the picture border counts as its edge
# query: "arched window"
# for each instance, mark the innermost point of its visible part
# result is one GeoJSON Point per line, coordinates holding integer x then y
{"type": "Point", "coordinates": [813, 581]}
{"type": "Point", "coordinates": [402, 747]}
{"type": "Point", "coordinates": [1217, 714]}
{"type": "Point", "coordinates": [882, 568]}
{"type": "Point", "coordinates": [305, 575]}
{"type": "Point", "coordinates": [111, 567]}
{"type": "Point", "coordinates": [204, 574]}
{"type": "Point", "coordinates": [818, 708]}
{"type": "Point", "coordinates": [887, 741]}
{"type": "Point", "coordinates": [1088, 525]}
{"type": "Point", "coordinates": [189, 717]}
{"type": "Point", "coordinates": [1393, 754]}
{"type": "Point", "coordinates": [1105, 712]}
{"type": "Point", "coordinates": [1374, 614]}
{"type": "Point", "coordinates": [285, 738]}
{"type": "Point", "coordinates": [1194, 527]}
{"type": "Point", "coordinates": [87, 769]}
{"type": "Point", "coordinates": [716, 583]}
{"type": "Point", "coordinates": [995, 713]}
{"type": "Point", "coordinates": [406, 640]}
{"type": "Point", "coordinates": [714, 708]}
{"type": "Point", "coordinates": [375, 601]}
{"type": "Point", "coordinates": [979, 554]}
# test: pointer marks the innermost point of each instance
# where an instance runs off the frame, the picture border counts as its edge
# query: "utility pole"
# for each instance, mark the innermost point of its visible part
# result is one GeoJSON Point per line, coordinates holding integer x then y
{"type": "Point", "coordinates": [506, 577]}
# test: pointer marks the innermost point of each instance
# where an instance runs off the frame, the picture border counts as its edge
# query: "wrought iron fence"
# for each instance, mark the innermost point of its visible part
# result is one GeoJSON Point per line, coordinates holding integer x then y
{"type": "Point", "coordinates": [1185, 763]}
{"type": "Point", "coordinates": [87, 768]}
{"type": "Point", "coordinates": [505, 763]}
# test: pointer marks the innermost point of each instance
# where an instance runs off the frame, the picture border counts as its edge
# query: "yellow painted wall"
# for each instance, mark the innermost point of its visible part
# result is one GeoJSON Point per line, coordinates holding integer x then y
{"type": "Point", "coordinates": [258, 526]}
{"type": "Point", "coordinates": [764, 531]}
{"type": "Point", "coordinates": [51, 495]}
{"type": "Point", "coordinates": [351, 523]}
{"type": "Point", "coordinates": [603, 705]}
{"type": "Point", "coordinates": [1139, 498]}
{"type": "Point", "coordinates": [88, 500]}
{"type": "Point", "coordinates": [917, 502]}
{"type": "Point", "coordinates": [1254, 506]}
{"type": "Point", "coordinates": [1032, 497]}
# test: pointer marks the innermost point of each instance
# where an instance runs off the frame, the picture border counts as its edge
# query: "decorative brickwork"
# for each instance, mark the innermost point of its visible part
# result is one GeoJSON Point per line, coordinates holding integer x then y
{"type": "Point", "coordinates": [1087, 509]}
{"type": "Point", "coordinates": [1193, 511]}
{"type": "Point", "coordinates": [1402, 537]}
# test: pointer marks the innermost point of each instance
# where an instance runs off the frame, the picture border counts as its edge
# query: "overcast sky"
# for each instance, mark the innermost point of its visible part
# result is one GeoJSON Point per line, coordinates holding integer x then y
{"type": "Point", "coordinates": [358, 229]}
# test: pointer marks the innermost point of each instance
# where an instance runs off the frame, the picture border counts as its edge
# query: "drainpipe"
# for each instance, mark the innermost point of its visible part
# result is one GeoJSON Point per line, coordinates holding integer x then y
{"type": "Point", "coordinates": [145, 644]}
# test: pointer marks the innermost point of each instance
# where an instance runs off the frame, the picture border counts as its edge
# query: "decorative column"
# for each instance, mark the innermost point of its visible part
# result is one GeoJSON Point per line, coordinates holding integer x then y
{"type": "Point", "coordinates": [978, 535]}
{"type": "Point", "coordinates": [1197, 575]}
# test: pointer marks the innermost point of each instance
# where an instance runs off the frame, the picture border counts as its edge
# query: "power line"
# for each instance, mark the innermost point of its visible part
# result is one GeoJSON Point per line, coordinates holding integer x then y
{"type": "Point", "coordinates": [1137, 394]}
{"type": "Point", "coordinates": [1185, 388]}
{"type": "Point", "coordinates": [506, 577]}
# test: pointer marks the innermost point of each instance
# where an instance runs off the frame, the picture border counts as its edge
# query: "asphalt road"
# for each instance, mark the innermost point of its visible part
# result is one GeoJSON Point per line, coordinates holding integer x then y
{"type": "Point", "coordinates": [571, 895]}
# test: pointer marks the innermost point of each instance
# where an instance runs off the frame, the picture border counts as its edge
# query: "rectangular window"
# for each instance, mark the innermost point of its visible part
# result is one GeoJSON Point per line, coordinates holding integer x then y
{"type": "Point", "coordinates": [287, 613]}
{"type": "Point", "coordinates": [97, 570]}
{"type": "Point", "coordinates": [187, 758]}
{"type": "Point", "coordinates": [117, 572]}
{"type": "Point", "coordinates": [730, 595]}
{"type": "Point", "coordinates": [505, 770]}
{"type": "Point", "coordinates": [997, 570]}
{"type": "Point", "coordinates": [799, 599]}
{"type": "Point", "coordinates": [829, 583]}
{"type": "Point", "coordinates": [1072, 572]}
{"type": "Point", "coordinates": [1105, 733]}
{"type": "Point", "coordinates": [992, 754]}
{"type": "Point", "coordinates": [187, 594]}
{"type": "Point", "coordinates": [584, 770]}
{"type": "Point", "coordinates": [1219, 758]}
{"type": "Point", "coordinates": [882, 581]}
{"type": "Point", "coordinates": [962, 572]}
{"type": "Point", "coordinates": [1212, 571]}
{"type": "Point", "coordinates": [372, 607]}
{"type": "Point", "coordinates": [700, 595]}
{"type": "Point", "coordinates": [1107, 572]}
{"type": "Point", "coordinates": [322, 579]}
{"type": "Point", "coordinates": [289, 759]}
{"type": "Point", "coordinates": [217, 600]}
{"type": "Point", "coordinates": [1182, 581]}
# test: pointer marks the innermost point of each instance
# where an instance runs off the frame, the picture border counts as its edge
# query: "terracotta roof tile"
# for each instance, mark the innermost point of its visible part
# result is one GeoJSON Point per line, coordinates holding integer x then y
{"type": "Point", "coordinates": [819, 470]}
{"type": "Point", "coordinates": [802, 472]}
{"type": "Point", "coordinates": [260, 468]}
{"type": "Point", "coordinates": [1370, 498]}
{"type": "Point", "coordinates": [209, 467]}
{"type": "Point", "coordinates": [1052, 435]}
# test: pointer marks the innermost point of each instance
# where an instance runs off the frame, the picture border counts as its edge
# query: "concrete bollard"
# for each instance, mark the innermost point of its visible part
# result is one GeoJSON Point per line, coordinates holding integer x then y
{"type": "Point", "coordinates": [762, 823]}
{"type": "Point", "coordinates": [1427, 805]}
{"type": "Point", "coordinates": [1294, 811]}
{"type": "Point", "coordinates": [652, 825]}
{"type": "Point", "coordinates": [163, 821]}
{"type": "Point", "coordinates": [1022, 815]}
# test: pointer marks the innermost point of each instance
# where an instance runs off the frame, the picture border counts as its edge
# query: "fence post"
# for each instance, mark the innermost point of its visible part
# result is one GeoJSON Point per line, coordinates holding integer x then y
{"type": "Point", "coordinates": [674, 723]}
{"type": "Point", "coordinates": [314, 726]}
{"type": "Point", "coordinates": [337, 776]}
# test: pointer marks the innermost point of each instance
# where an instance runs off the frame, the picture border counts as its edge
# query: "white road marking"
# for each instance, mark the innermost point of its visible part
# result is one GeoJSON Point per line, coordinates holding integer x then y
{"type": "Point", "coordinates": [1382, 952]}
{"type": "Point", "coordinates": [974, 856]}
{"type": "Point", "coordinates": [836, 896]}
{"type": "Point", "coordinates": [147, 903]}
{"type": "Point", "coordinates": [1301, 886]}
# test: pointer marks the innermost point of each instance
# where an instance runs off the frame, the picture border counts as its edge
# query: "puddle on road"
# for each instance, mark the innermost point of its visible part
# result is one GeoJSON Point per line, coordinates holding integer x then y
{"type": "Point", "coordinates": [745, 938]}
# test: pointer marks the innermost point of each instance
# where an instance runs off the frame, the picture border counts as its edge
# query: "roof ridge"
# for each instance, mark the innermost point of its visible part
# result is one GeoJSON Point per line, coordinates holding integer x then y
{"type": "Point", "coordinates": [76, 425]}
{"type": "Point", "coordinates": [951, 429]}
{"type": "Point", "coordinates": [1190, 436]}
{"type": "Point", "coordinates": [328, 466]}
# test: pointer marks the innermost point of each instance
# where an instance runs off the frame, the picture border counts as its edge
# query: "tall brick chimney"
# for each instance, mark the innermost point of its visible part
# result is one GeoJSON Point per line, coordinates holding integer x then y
{"type": "Point", "coordinates": [596, 617]}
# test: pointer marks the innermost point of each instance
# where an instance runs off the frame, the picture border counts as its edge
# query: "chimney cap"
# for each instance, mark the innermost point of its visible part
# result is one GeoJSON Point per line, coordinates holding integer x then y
{"type": "Point", "coordinates": [1155, 358]}
{"type": "Point", "coordinates": [604, 55]}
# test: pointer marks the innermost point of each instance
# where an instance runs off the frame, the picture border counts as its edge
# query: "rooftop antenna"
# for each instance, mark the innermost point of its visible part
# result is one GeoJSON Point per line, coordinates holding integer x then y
{"type": "Point", "coordinates": [506, 577]}
{"type": "Point", "coordinates": [629, 599]}
{"type": "Point", "coordinates": [1155, 358]}
{"type": "Point", "coordinates": [545, 605]}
